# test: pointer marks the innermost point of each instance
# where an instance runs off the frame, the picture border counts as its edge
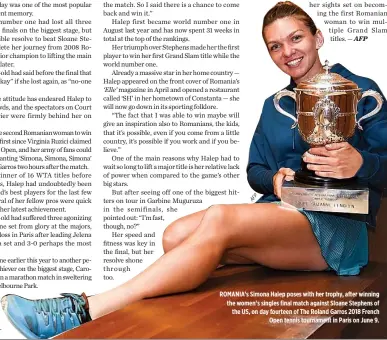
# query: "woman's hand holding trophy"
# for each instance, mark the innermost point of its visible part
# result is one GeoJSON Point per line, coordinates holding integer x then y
{"type": "Point", "coordinates": [283, 174]}
{"type": "Point", "coordinates": [337, 160]}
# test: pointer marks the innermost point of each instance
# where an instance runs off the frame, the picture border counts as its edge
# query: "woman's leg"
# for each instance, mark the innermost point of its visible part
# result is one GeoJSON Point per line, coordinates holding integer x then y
{"type": "Point", "coordinates": [180, 229]}
{"type": "Point", "coordinates": [183, 227]}
{"type": "Point", "coordinates": [265, 233]}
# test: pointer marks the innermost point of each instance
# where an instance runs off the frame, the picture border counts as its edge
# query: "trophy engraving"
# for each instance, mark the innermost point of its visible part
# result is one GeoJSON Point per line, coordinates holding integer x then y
{"type": "Point", "coordinates": [325, 119]}
{"type": "Point", "coordinates": [326, 107]}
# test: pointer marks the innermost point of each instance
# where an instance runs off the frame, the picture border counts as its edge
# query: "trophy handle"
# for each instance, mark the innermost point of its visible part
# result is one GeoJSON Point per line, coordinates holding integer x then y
{"type": "Point", "coordinates": [379, 101]}
{"type": "Point", "coordinates": [276, 100]}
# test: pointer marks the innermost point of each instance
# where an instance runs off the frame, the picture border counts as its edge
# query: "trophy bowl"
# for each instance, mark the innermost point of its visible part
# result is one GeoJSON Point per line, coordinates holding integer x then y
{"type": "Point", "coordinates": [326, 107]}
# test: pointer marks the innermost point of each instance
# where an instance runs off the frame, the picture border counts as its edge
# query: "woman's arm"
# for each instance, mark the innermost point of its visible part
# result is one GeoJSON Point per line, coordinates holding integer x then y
{"type": "Point", "coordinates": [259, 174]}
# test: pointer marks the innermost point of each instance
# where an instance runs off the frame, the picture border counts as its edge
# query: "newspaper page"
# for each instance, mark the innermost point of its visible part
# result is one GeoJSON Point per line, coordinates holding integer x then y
{"type": "Point", "coordinates": [119, 117]}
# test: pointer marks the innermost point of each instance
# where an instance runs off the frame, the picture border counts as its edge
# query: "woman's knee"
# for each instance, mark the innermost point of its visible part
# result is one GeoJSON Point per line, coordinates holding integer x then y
{"type": "Point", "coordinates": [172, 236]}
{"type": "Point", "coordinates": [216, 220]}
{"type": "Point", "coordinates": [177, 232]}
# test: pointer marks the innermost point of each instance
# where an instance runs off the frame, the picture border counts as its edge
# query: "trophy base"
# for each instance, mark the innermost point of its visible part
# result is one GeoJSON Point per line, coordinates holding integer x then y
{"type": "Point", "coordinates": [352, 199]}
{"type": "Point", "coordinates": [310, 178]}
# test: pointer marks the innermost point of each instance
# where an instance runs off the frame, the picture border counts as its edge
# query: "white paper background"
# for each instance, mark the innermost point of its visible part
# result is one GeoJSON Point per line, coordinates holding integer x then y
{"type": "Point", "coordinates": [259, 77]}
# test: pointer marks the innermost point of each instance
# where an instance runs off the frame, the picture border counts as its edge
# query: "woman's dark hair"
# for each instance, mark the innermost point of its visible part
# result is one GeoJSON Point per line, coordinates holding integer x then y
{"type": "Point", "coordinates": [285, 9]}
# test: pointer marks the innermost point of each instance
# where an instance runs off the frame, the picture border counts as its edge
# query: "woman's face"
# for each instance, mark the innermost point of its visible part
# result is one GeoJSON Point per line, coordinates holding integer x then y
{"type": "Point", "coordinates": [293, 47]}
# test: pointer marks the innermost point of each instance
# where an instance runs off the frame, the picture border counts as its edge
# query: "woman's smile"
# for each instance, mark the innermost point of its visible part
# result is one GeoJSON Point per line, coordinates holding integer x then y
{"type": "Point", "coordinates": [294, 62]}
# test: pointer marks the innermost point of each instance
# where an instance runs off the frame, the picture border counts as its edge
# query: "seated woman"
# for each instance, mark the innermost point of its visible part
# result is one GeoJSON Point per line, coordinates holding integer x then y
{"type": "Point", "coordinates": [263, 233]}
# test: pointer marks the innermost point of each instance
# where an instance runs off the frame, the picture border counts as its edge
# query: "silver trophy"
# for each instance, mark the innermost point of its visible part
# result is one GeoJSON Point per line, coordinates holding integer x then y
{"type": "Point", "coordinates": [326, 107]}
